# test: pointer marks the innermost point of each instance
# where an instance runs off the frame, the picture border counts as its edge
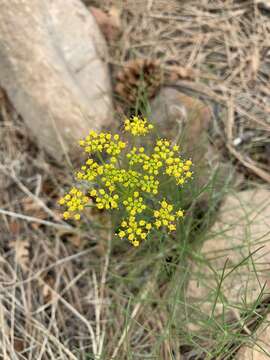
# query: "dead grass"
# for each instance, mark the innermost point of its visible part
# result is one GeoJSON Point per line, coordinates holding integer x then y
{"type": "Point", "coordinates": [69, 293]}
{"type": "Point", "coordinates": [226, 45]}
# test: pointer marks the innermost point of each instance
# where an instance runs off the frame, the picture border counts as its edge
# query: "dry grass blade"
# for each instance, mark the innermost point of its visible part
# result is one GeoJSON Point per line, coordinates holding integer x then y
{"type": "Point", "coordinates": [134, 313]}
{"type": "Point", "coordinates": [36, 199]}
{"type": "Point", "coordinates": [21, 253]}
{"type": "Point", "coordinates": [250, 164]}
{"type": "Point", "coordinates": [32, 219]}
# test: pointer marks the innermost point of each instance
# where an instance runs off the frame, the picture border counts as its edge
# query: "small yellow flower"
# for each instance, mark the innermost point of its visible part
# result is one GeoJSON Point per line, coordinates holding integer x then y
{"type": "Point", "coordinates": [179, 213]}
{"type": "Point", "coordinates": [164, 204]}
{"type": "Point", "coordinates": [93, 192]}
{"type": "Point", "coordinates": [122, 234]}
{"type": "Point", "coordinates": [148, 226]}
{"type": "Point", "coordinates": [73, 191]}
{"type": "Point", "coordinates": [114, 204]}
{"type": "Point", "coordinates": [66, 215]}
{"type": "Point", "coordinates": [131, 237]}
{"type": "Point", "coordinates": [158, 224]}
{"type": "Point", "coordinates": [172, 227]}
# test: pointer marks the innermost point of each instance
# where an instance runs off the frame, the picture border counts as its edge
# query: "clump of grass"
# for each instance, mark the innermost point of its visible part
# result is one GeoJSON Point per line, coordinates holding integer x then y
{"type": "Point", "coordinates": [121, 302]}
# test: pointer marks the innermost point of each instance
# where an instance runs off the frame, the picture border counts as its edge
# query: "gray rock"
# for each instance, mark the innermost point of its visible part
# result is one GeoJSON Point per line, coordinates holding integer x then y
{"type": "Point", "coordinates": [52, 69]}
{"type": "Point", "coordinates": [239, 243]}
{"type": "Point", "coordinates": [260, 349]}
{"type": "Point", "coordinates": [263, 4]}
{"type": "Point", "coordinates": [186, 119]}
{"type": "Point", "coordinates": [181, 118]}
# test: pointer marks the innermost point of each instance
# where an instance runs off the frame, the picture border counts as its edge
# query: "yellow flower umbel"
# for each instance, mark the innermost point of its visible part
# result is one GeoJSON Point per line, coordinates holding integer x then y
{"type": "Point", "coordinates": [129, 181]}
{"type": "Point", "coordinates": [75, 202]}
{"type": "Point", "coordinates": [137, 126]}
{"type": "Point", "coordinates": [134, 231]}
{"type": "Point", "coordinates": [105, 200]}
{"type": "Point", "coordinates": [166, 217]}
{"type": "Point", "coordinates": [103, 142]}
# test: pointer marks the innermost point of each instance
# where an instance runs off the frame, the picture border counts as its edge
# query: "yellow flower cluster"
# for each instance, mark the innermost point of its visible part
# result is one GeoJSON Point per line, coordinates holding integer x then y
{"type": "Point", "coordinates": [114, 176]}
{"type": "Point", "coordinates": [104, 200]}
{"type": "Point", "coordinates": [90, 171]}
{"type": "Point", "coordinates": [164, 156]}
{"type": "Point", "coordinates": [137, 126]}
{"type": "Point", "coordinates": [150, 164]}
{"type": "Point", "coordinates": [134, 188]}
{"type": "Point", "coordinates": [178, 169]}
{"type": "Point", "coordinates": [149, 184]}
{"type": "Point", "coordinates": [75, 202]}
{"type": "Point", "coordinates": [134, 230]}
{"type": "Point", "coordinates": [95, 142]}
{"type": "Point", "coordinates": [134, 204]}
{"type": "Point", "coordinates": [165, 216]}
{"type": "Point", "coordinates": [131, 179]}
{"type": "Point", "coordinates": [174, 165]}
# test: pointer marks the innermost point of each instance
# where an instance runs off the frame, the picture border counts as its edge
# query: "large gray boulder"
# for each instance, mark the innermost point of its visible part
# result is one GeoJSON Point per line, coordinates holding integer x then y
{"type": "Point", "coordinates": [52, 67]}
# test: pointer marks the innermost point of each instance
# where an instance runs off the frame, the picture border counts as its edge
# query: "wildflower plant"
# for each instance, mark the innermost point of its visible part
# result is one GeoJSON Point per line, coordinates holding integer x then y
{"type": "Point", "coordinates": [121, 175]}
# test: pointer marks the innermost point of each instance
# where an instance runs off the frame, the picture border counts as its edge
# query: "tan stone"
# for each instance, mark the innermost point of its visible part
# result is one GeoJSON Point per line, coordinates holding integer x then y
{"type": "Point", "coordinates": [52, 69]}
{"type": "Point", "coordinates": [239, 245]}
{"type": "Point", "coordinates": [173, 111]}
{"type": "Point", "coordinates": [185, 119]}
{"type": "Point", "coordinates": [261, 348]}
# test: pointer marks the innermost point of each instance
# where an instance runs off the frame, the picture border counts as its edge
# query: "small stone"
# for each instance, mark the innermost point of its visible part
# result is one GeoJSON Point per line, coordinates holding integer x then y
{"type": "Point", "coordinates": [183, 118]}
{"type": "Point", "coordinates": [186, 119]}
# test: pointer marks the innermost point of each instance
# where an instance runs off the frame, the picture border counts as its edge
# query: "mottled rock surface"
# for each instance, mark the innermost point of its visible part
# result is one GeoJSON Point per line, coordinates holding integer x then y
{"type": "Point", "coordinates": [260, 349]}
{"type": "Point", "coordinates": [52, 68]}
{"type": "Point", "coordinates": [238, 246]}
{"type": "Point", "coordinates": [186, 119]}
